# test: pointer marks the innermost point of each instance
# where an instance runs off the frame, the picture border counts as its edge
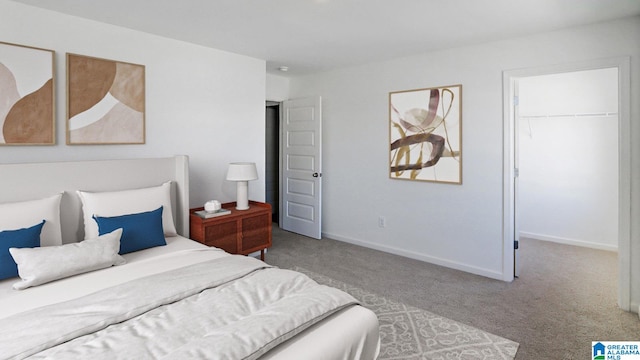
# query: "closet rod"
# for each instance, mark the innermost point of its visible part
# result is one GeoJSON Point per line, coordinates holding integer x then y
{"type": "Point", "coordinates": [568, 115]}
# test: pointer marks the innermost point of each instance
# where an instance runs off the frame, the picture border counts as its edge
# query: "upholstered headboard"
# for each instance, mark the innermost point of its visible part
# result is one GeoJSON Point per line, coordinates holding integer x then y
{"type": "Point", "coordinates": [30, 181]}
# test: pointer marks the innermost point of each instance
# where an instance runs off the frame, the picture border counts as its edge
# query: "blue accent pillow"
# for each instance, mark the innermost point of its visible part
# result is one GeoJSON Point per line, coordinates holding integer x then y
{"type": "Point", "coordinates": [139, 231]}
{"type": "Point", "coordinates": [20, 238]}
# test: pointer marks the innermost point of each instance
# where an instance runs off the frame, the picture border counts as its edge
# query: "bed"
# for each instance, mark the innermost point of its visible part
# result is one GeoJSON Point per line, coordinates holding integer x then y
{"type": "Point", "coordinates": [118, 278]}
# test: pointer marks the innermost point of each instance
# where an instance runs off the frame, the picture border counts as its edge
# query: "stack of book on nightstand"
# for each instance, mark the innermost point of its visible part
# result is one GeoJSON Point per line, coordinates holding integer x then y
{"type": "Point", "coordinates": [209, 214]}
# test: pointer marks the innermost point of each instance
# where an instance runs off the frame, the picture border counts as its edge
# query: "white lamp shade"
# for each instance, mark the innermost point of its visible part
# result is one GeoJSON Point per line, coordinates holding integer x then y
{"type": "Point", "coordinates": [242, 171]}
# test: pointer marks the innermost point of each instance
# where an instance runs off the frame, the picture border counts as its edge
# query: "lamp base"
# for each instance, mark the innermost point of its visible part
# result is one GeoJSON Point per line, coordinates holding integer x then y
{"type": "Point", "coordinates": [242, 194]}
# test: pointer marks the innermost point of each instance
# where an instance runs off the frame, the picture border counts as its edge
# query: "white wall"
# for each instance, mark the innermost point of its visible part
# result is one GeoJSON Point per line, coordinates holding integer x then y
{"type": "Point", "coordinates": [457, 226]}
{"type": "Point", "coordinates": [201, 102]}
{"type": "Point", "coordinates": [277, 88]}
{"type": "Point", "coordinates": [568, 183]}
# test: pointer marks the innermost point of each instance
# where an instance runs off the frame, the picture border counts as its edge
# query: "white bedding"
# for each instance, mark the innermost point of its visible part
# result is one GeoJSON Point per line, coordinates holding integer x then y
{"type": "Point", "coordinates": [139, 264]}
{"type": "Point", "coordinates": [351, 333]}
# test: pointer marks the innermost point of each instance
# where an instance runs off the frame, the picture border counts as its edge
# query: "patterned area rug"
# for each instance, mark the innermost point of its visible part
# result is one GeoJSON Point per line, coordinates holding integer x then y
{"type": "Point", "coordinates": [409, 333]}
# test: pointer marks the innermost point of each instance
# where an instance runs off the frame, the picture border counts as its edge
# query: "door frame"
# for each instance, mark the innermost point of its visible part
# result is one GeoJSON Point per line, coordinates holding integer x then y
{"type": "Point", "coordinates": [624, 166]}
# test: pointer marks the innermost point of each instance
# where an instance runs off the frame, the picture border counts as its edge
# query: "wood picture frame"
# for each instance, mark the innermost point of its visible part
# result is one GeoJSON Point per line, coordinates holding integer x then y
{"type": "Point", "coordinates": [27, 96]}
{"type": "Point", "coordinates": [425, 134]}
{"type": "Point", "coordinates": [105, 101]}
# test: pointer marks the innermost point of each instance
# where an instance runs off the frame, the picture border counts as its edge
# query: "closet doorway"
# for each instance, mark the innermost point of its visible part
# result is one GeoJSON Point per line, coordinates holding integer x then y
{"type": "Point", "coordinates": [511, 112]}
{"type": "Point", "coordinates": [567, 156]}
{"type": "Point", "coordinates": [293, 171]}
{"type": "Point", "coordinates": [272, 157]}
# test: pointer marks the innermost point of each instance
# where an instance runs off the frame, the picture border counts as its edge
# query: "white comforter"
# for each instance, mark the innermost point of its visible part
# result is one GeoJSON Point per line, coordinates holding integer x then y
{"type": "Point", "coordinates": [234, 307]}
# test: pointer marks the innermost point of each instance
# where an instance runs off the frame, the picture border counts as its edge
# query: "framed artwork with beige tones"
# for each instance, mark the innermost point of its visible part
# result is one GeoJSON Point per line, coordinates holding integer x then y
{"type": "Point", "coordinates": [27, 103]}
{"type": "Point", "coordinates": [105, 101]}
{"type": "Point", "coordinates": [425, 134]}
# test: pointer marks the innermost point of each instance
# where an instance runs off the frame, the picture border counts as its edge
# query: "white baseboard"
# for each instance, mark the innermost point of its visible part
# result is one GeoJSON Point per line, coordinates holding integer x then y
{"type": "Point", "coordinates": [418, 256]}
{"type": "Point", "coordinates": [566, 241]}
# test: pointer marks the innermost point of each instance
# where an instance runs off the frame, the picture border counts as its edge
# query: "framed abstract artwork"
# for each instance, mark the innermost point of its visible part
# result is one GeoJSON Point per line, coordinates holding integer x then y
{"type": "Point", "coordinates": [27, 102]}
{"type": "Point", "coordinates": [425, 134]}
{"type": "Point", "coordinates": [105, 101]}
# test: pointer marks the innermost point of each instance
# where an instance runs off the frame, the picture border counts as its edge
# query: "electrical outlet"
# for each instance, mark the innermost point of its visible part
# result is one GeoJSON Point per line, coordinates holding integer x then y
{"type": "Point", "coordinates": [382, 222]}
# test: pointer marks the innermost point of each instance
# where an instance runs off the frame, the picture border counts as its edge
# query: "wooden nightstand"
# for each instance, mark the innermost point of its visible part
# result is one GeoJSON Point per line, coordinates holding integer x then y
{"type": "Point", "coordinates": [241, 232]}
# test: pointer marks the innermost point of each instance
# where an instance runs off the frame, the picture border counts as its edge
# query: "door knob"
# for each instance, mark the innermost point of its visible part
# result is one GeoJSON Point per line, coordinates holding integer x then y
{"type": "Point", "coordinates": [316, 175]}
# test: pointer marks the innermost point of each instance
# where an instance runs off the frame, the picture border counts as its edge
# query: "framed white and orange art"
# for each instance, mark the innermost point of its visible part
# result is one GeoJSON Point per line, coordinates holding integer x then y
{"type": "Point", "coordinates": [105, 101]}
{"type": "Point", "coordinates": [425, 134]}
{"type": "Point", "coordinates": [27, 102]}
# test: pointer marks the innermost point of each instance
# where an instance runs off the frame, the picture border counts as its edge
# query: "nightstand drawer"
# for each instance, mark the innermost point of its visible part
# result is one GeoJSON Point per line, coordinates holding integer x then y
{"type": "Point", "coordinates": [253, 235]}
{"type": "Point", "coordinates": [223, 236]}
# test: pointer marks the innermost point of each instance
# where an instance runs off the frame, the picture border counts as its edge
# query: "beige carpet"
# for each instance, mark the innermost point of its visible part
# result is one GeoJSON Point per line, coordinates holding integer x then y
{"type": "Point", "coordinates": [565, 297]}
{"type": "Point", "coordinates": [407, 332]}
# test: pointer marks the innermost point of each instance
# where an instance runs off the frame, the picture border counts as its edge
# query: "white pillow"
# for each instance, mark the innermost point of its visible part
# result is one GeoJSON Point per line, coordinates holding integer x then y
{"type": "Point", "coordinates": [24, 214]}
{"type": "Point", "coordinates": [37, 266]}
{"type": "Point", "coordinates": [116, 203]}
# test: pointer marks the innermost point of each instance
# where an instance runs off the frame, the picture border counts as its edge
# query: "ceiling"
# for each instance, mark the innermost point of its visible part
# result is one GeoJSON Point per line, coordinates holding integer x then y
{"type": "Point", "coordinates": [312, 36]}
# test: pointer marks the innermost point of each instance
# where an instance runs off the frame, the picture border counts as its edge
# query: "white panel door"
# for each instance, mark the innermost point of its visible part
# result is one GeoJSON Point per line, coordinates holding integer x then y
{"type": "Point", "coordinates": [301, 166]}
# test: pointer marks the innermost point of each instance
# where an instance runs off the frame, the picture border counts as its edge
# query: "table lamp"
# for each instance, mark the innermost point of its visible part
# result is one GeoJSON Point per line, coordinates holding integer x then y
{"type": "Point", "coordinates": [241, 173]}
